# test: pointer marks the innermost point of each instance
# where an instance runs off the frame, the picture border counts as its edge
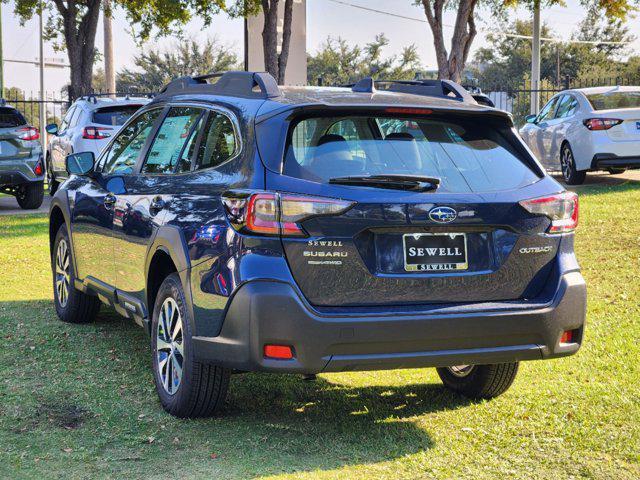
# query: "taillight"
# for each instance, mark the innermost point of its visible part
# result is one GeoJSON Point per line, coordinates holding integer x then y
{"type": "Point", "coordinates": [561, 208]}
{"type": "Point", "coordinates": [38, 170]}
{"type": "Point", "coordinates": [28, 133]}
{"type": "Point", "coordinates": [270, 213]}
{"type": "Point", "coordinates": [601, 123]}
{"type": "Point", "coordinates": [95, 133]}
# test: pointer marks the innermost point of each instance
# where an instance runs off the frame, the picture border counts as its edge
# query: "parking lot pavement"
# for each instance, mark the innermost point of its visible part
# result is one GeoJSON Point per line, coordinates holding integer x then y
{"type": "Point", "coordinates": [9, 206]}
{"type": "Point", "coordinates": [603, 178]}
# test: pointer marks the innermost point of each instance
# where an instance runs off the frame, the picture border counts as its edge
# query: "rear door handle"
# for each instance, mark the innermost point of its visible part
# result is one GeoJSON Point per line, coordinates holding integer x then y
{"type": "Point", "coordinates": [109, 200]}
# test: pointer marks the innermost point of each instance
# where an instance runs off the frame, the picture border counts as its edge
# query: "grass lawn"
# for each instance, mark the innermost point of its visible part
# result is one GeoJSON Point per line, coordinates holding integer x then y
{"type": "Point", "coordinates": [77, 401]}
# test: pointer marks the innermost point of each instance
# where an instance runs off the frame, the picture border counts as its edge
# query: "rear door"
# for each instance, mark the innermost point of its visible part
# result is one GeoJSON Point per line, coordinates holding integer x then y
{"type": "Point", "coordinates": [460, 243]}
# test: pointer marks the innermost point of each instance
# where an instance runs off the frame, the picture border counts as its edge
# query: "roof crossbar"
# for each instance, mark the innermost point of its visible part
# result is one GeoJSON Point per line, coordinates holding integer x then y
{"type": "Point", "coordinates": [233, 83]}
{"type": "Point", "coordinates": [430, 88]}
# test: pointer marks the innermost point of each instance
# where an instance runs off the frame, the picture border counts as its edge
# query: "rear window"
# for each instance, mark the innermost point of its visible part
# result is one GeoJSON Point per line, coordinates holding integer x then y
{"type": "Point", "coordinates": [114, 116]}
{"type": "Point", "coordinates": [10, 118]}
{"type": "Point", "coordinates": [467, 155]}
{"type": "Point", "coordinates": [614, 100]}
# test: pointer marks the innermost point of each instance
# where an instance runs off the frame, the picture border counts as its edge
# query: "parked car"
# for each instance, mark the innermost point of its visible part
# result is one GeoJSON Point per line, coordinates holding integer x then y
{"type": "Point", "coordinates": [21, 166]}
{"type": "Point", "coordinates": [587, 129]}
{"type": "Point", "coordinates": [251, 227]}
{"type": "Point", "coordinates": [87, 126]}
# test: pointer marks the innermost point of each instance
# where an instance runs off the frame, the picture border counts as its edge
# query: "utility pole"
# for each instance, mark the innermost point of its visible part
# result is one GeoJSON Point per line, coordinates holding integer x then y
{"type": "Point", "coordinates": [109, 71]}
{"type": "Point", "coordinates": [43, 107]}
{"type": "Point", "coordinates": [535, 60]}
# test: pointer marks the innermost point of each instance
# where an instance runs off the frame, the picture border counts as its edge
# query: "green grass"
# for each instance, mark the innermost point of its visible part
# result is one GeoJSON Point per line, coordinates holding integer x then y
{"type": "Point", "coordinates": [77, 401]}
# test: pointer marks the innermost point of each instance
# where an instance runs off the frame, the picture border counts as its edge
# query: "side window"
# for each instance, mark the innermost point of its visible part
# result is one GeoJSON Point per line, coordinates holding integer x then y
{"type": "Point", "coordinates": [176, 131]}
{"type": "Point", "coordinates": [126, 147]}
{"type": "Point", "coordinates": [547, 112]}
{"type": "Point", "coordinates": [219, 142]}
{"type": "Point", "coordinates": [566, 107]}
{"type": "Point", "coordinates": [76, 116]}
{"type": "Point", "coordinates": [67, 118]}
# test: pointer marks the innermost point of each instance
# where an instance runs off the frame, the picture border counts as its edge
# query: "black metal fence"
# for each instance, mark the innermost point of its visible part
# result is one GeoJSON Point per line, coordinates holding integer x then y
{"type": "Point", "coordinates": [30, 105]}
{"type": "Point", "coordinates": [516, 99]}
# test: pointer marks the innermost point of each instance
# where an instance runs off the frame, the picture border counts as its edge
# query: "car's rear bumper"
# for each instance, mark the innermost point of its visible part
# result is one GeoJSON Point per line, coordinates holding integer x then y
{"type": "Point", "coordinates": [14, 178]}
{"type": "Point", "coordinates": [609, 160]}
{"type": "Point", "coordinates": [268, 312]}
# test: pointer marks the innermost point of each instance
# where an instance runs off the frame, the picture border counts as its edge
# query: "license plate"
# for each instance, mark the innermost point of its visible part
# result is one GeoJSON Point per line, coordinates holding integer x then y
{"type": "Point", "coordinates": [435, 252]}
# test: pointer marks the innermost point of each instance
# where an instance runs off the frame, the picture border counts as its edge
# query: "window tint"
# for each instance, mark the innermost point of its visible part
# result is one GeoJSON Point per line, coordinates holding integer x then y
{"type": "Point", "coordinates": [566, 107]}
{"type": "Point", "coordinates": [184, 162]}
{"type": "Point", "coordinates": [124, 150]}
{"type": "Point", "coordinates": [218, 143]}
{"type": "Point", "coordinates": [467, 155]}
{"type": "Point", "coordinates": [10, 118]}
{"type": "Point", "coordinates": [114, 116]}
{"type": "Point", "coordinates": [614, 100]}
{"type": "Point", "coordinates": [173, 134]}
{"type": "Point", "coordinates": [67, 118]}
{"type": "Point", "coordinates": [547, 112]}
{"type": "Point", "coordinates": [76, 116]}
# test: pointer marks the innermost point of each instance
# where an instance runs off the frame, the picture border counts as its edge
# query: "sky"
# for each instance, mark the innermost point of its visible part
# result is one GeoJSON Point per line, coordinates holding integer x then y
{"type": "Point", "coordinates": [324, 18]}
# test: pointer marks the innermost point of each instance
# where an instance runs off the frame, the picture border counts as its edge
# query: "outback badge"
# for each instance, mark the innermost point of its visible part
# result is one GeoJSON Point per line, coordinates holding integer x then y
{"type": "Point", "coordinates": [443, 214]}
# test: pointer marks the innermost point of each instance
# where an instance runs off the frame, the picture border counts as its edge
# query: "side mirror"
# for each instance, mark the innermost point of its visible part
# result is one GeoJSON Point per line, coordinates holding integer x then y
{"type": "Point", "coordinates": [80, 163]}
{"type": "Point", "coordinates": [52, 129]}
{"type": "Point", "coordinates": [530, 118]}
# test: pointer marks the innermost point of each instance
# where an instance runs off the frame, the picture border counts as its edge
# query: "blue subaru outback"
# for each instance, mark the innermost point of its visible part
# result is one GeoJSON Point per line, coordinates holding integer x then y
{"type": "Point", "coordinates": [251, 227]}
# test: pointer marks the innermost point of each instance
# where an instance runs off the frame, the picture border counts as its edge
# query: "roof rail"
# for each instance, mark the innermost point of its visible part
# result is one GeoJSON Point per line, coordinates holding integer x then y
{"type": "Point", "coordinates": [431, 88]}
{"type": "Point", "coordinates": [233, 83]}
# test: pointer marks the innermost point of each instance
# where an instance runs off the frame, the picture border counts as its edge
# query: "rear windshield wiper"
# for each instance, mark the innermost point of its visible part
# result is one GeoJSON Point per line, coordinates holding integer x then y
{"type": "Point", "coordinates": [415, 183]}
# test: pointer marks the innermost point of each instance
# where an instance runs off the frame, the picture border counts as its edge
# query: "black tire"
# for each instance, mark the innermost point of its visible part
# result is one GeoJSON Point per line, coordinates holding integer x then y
{"type": "Point", "coordinates": [616, 171]}
{"type": "Point", "coordinates": [202, 388]}
{"type": "Point", "coordinates": [568, 166]}
{"type": "Point", "coordinates": [479, 381]}
{"type": "Point", "coordinates": [73, 306]}
{"type": "Point", "coordinates": [30, 196]}
{"type": "Point", "coordinates": [53, 183]}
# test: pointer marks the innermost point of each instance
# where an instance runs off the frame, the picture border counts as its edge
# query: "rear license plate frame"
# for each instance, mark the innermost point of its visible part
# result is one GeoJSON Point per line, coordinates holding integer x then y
{"type": "Point", "coordinates": [430, 267]}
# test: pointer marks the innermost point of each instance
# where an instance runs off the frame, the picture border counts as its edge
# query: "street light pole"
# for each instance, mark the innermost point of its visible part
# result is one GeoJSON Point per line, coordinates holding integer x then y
{"type": "Point", "coordinates": [43, 108]}
{"type": "Point", "coordinates": [535, 60]}
{"type": "Point", "coordinates": [1, 58]}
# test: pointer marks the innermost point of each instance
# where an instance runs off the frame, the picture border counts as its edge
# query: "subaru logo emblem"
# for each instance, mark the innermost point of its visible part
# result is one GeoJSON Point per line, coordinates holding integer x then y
{"type": "Point", "coordinates": [443, 214]}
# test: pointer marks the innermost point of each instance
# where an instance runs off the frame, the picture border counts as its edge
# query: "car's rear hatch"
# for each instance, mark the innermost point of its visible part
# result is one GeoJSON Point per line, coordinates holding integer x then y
{"type": "Point", "coordinates": [13, 130]}
{"type": "Point", "coordinates": [469, 240]}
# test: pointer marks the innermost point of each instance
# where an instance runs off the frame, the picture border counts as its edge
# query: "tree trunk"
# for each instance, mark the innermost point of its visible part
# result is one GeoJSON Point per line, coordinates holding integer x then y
{"type": "Point", "coordinates": [270, 36]}
{"type": "Point", "coordinates": [80, 42]}
{"type": "Point", "coordinates": [451, 65]}
{"type": "Point", "coordinates": [276, 63]}
{"type": "Point", "coordinates": [286, 41]}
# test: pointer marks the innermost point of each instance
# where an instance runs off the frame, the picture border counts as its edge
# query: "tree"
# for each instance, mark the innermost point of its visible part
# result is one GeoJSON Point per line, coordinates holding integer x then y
{"type": "Point", "coordinates": [338, 63]}
{"type": "Point", "coordinates": [451, 64]}
{"type": "Point", "coordinates": [155, 68]}
{"type": "Point", "coordinates": [275, 63]}
{"type": "Point", "coordinates": [73, 24]}
{"type": "Point", "coordinates": [507, 60]}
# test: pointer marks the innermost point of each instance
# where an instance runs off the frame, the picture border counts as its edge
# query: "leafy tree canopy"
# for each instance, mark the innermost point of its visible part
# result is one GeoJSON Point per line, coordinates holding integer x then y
{"type": "Point", "coordinates": [337, 62]}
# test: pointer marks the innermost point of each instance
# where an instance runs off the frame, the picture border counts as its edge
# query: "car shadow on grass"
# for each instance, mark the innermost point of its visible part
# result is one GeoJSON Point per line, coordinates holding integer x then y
{"type": "Point", "coordinates": [270, 424]}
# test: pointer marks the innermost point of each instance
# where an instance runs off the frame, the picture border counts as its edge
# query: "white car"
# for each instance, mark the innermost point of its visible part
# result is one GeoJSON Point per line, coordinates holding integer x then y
{"type": "Point", "coordinates": [587, 129]}
{"type": "Point", "coordinates": [87, 126]}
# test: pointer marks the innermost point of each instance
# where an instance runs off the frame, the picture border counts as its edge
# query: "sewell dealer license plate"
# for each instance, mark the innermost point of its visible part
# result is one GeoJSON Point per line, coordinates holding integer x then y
{"type": "Point", "coordinates": [435, 252]}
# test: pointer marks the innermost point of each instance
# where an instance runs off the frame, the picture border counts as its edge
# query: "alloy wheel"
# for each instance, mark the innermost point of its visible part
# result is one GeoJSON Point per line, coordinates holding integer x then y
{"type": "Point", "coordinates": [170, 346]}
{"type": "Point", "coordinates": [461, 370]}
{"type": "Point", "coordinates": [566, 161]}
{"type": "Point", "coordinates": [63, 277]}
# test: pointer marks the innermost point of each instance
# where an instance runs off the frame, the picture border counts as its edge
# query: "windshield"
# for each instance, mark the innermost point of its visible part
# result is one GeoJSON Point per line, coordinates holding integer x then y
{"type": "Point", "coordinates": [615, 100]}
{"type": "Point", "coordinates": [467, 155]}
{"type": "Point", "coordinates": [114, 116]}
{"type": "Point", "coordinates": [10, 118]}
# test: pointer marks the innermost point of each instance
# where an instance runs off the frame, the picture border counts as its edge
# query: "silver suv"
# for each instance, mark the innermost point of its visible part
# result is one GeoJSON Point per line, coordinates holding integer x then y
{"type": "Point", "coordinates": [21, 166]}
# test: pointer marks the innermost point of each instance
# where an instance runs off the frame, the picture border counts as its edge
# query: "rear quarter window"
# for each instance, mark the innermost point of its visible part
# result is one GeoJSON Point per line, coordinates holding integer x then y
{"type": "Point", "coordinates": [468, 155]}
